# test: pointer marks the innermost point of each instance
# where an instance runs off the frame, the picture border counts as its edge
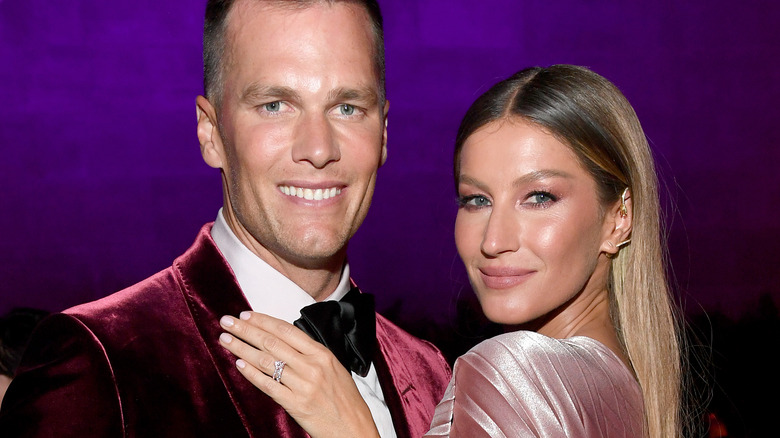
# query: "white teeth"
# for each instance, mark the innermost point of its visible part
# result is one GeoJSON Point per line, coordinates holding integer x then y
{"type": "Point", "coordinates": [310, 194]}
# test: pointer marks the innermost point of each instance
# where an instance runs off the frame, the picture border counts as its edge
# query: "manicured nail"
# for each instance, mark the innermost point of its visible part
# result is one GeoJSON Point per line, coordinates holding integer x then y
{"type": "Point", "coordinates": [245, 315]}
{"type": "Point", "coordinates": [226, 338]}
{"type": "Point", "coordinates": [226, 321]}
{"type": "Point", "coordinates": [241, 364]}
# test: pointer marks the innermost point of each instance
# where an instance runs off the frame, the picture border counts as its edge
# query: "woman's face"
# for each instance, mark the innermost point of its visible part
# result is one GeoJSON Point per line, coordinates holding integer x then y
{"type": "Point", "coordinates": [530, 227]}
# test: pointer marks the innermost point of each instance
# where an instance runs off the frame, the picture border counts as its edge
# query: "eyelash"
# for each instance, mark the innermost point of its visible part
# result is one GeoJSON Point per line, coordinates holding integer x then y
{"type": "Point", "coordinates": [356, 111]}
{"type": "Point", "coordinates": [263, 108]}
{"type": "Point", "coordinates": [465, 201]}
{"type": "Point", "coordinates": [544, 204]}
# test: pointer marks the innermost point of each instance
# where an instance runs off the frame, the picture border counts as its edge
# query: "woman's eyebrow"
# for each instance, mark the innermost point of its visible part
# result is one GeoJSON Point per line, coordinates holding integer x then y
{"type": "Point", "coordinates": [529, 177]}
{"type": "Point", "coordinates": [538, 175]}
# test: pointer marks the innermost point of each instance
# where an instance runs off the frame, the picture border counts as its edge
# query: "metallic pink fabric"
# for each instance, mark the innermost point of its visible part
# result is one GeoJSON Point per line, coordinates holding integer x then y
{"type": "Point", "coordinates": [146, 362]}
{"type": "Point", "coordinates": [524, 384]}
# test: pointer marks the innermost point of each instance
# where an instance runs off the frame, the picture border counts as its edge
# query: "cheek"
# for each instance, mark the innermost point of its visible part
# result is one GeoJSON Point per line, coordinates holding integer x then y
{"type": "Point", "coordinates": [468, 235]}
{"type": "Point", "coordinates": [546, 236]}
{"type": "Point", "coordinates": [568, 246]}
{"type": "Point", "coordinates": [362, 154]}
{"type": "Point", "coordinates": [258, 151]}
{"type": "Point", "coordinates": [365, 163]}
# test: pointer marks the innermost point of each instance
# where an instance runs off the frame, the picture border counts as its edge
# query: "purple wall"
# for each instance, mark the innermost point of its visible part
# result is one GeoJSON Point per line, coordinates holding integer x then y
{"type": "Point", "coordinates": [104, 184]}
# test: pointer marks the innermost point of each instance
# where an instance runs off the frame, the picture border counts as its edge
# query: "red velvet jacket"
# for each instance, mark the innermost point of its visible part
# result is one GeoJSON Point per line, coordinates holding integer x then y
{"type": "Point", "coordinates": [146, 362]}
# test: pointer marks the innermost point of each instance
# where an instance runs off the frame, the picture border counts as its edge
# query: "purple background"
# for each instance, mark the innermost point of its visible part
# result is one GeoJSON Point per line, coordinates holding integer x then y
{"type": "Point", "coordinates": [103, 183]}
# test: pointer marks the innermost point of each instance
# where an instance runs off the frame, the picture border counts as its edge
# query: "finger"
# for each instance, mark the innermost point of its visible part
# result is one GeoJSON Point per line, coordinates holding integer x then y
{"type": "Point", "coordinates": [277, 337]}
{"type": "Point", "coordinates": [258, 358]}
{"type": "Point", "coordinates": [286, 342]}
{"type": "Point", "coordinates": [278, 392]}
{"type": "Point", "coordinates": [263, 362]}
{"type": "Point", "coordinates": [259, 338]}
{"type": "Point", "coordinates": [288, 333]}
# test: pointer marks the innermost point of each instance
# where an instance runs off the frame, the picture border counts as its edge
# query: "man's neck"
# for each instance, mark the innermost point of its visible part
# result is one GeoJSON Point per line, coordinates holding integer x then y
{"type": "Point", "coordinates": [319, 283]}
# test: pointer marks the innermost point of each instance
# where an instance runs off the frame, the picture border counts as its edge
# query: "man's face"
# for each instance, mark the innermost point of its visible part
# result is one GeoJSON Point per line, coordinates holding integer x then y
{"type": "Point", "coordinates": [301, 133]}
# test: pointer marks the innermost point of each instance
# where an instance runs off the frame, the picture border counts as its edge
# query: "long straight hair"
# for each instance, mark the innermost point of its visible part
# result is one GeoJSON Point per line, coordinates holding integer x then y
{"type": "Point", "coordinates": [592, 117]}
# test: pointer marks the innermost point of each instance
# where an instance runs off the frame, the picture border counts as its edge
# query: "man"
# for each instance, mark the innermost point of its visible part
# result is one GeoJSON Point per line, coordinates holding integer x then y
{"type": "Point", "coordinates": [295, 118]}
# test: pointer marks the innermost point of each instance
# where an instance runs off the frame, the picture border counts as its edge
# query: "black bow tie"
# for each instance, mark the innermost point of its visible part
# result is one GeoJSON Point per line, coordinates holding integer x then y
{"type": "Point", "coordinates": [346, 327]}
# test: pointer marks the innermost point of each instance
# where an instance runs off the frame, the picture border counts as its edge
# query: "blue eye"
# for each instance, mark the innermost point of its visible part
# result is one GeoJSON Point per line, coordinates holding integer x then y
{"type": "Point", "coordinates": [346, 109]}
{"type": "Point", "coordinates": [541, 198]}
{"type": "Point", "coordinates": [273, 107]}
{"type": "Point", "coordinates": [473, 201]}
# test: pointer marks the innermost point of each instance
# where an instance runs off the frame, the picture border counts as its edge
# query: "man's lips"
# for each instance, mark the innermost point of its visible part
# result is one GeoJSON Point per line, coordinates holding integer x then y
{"type": "Point", "coordinates": [503, 277]}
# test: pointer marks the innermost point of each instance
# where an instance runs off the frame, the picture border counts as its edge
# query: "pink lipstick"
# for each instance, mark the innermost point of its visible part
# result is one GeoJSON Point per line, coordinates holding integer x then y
{"type": "Point", "coordinates": [499, 277]}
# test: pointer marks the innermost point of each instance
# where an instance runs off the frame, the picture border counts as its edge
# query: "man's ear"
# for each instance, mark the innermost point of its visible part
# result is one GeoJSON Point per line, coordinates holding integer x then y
{"type": "Point", "coordinates": [618, 223]}
{"type": "Point", "coordinates": [211, 147]}
{"type": "Point", "coordinates": [384, 134]}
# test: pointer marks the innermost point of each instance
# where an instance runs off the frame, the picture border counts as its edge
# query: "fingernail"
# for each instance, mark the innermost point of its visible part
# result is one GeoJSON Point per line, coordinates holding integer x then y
{"type": "Point", "coordinates": [241, 364]}
{"type": "Point", "coordinates": [245, 315]}
{"type": "Point", "coordinates": [226, 338]}
{"type": "Point", "coordinates": [226, 321]}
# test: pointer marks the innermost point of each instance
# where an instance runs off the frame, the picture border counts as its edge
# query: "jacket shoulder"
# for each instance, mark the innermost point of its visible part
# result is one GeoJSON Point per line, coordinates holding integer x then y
{"type": "Point", "coordinates": [66, 378]}
{"type": "Point", "coordinates": [157, 290]}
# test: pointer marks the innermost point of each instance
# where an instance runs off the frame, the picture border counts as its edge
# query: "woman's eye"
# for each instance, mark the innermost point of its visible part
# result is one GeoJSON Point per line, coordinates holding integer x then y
{"type": "Point", "coordinates": [346, 109]}
{"type": "Point", "coordinates": [475, 201]}
{"type": "Point", "coordinates": [540, 198]}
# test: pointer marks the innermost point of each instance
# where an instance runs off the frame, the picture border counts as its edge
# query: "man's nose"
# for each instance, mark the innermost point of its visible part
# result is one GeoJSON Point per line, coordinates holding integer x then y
{"type": "Point", "coordinates": [315, 142]}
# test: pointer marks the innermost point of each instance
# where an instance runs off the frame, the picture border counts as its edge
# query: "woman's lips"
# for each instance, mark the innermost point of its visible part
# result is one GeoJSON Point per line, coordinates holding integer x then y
{"type": "Point", "coordinates": [503, 277]}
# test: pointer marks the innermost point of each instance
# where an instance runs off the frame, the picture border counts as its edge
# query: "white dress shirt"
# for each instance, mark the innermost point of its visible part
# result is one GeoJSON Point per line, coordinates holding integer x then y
{"type": "Point", "coordinates": [269, 291]}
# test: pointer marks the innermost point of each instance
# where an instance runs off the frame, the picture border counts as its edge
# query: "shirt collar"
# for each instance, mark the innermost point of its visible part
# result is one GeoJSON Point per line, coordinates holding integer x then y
{"type": "Point", "coordinates": [266, 289]}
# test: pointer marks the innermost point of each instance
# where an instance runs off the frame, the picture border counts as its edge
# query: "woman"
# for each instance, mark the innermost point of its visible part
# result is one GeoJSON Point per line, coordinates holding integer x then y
{"type": "Point", "coordinates": [558, 228]}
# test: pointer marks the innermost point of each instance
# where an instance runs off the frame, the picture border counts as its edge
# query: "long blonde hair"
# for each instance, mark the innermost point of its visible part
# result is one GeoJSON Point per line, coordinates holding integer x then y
{"type": "Point", "coordinates": [590, 115]}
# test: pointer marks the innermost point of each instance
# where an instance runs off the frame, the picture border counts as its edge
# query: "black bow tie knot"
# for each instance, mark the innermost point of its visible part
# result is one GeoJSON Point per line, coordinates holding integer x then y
{"type": "Point", "coordinates": [346, 327]}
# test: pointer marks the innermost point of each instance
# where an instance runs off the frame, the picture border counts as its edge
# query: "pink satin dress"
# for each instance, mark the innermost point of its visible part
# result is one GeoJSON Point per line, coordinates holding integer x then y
{"type": "Point", "coordinates": [524, 384]}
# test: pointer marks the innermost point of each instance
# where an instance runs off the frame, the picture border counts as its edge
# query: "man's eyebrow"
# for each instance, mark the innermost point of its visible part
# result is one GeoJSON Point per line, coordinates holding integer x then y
{"type": "Point", "coordinates": [367, 95]}
{"type": "Point", "coordinates": [256, 92]}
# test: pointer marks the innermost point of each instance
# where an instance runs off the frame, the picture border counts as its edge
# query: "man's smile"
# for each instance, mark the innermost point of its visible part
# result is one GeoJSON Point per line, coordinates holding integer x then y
{"type": "Point", "coordinates": [310, 194]}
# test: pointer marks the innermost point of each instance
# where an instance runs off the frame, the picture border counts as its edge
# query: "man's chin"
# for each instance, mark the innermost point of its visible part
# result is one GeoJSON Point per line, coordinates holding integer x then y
{"type": "Point", "coordinates": [317, 254]}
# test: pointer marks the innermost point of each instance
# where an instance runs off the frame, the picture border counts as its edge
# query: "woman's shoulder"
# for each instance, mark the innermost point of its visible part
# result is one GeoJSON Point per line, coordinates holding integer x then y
{"type": "Point", "coordinates": [533, 355]}
{"type": "Point", "coordinates": [570, 387]}
{"type": "Point", "coordinates": [531, 345]}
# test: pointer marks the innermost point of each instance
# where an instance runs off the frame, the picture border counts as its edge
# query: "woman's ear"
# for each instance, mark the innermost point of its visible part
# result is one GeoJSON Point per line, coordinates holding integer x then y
{"type": "Point", "coordinates": [618, 223]}
{"type": "Point", "coordinates": [211, 146]}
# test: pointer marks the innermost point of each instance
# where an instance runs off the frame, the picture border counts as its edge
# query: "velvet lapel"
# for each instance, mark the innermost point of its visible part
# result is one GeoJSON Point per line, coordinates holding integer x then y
{"type": "Point", "coordinates": [394, 379]}
{"type": "Point", "coordinates": [211, 291]}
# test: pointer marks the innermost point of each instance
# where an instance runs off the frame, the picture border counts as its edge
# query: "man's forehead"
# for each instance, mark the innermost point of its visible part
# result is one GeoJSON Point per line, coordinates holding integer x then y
{"type": "Point", "coordinates": [245, 10]}
{"type": "Point", "coordinates": [247, 15]}
{"type": "Point", "coordinates": [253, 26]}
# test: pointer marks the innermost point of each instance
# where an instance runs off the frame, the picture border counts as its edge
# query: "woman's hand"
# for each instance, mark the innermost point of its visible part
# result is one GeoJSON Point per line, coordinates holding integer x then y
{"type": "Point", "coordinates": [315, 389]}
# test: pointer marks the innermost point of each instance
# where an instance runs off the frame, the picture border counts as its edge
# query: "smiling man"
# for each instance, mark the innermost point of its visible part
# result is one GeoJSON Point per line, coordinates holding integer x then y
{"type": "Point", "coordinates": [294, 117]}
